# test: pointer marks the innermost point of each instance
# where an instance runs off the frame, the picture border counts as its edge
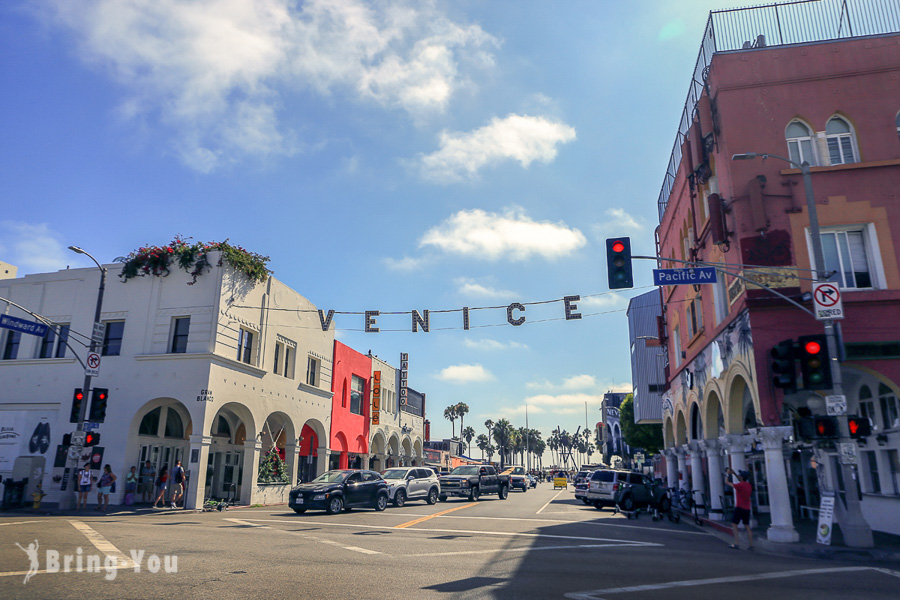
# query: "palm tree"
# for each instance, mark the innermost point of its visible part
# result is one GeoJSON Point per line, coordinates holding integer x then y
{"type": "Point", "coordinates": [450, 415]}
{"type": "Point", "coordinates": [502, 434]}
{"type": "Point", "coordinates": [467, 434]}
{"type": "Point", "coordinates": [482, 442]}
{"type": "Point", "coordinates": [489, 425]}
{"type": "Point", "coordinates": [462, 409]}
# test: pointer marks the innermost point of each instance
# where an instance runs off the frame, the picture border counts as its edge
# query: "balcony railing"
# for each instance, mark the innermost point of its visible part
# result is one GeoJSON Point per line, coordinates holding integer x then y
{"type": "Point", "coordinates": [779, 24]}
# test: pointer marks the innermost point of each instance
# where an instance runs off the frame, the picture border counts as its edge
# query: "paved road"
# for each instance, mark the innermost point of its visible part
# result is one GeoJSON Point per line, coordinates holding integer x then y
{"type": "Point", "coordinates": [539, 544]}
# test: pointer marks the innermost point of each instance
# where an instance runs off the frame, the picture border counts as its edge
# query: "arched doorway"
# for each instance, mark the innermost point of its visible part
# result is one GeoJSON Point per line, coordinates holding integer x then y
{"type": "Point", "coordinates": [276, 434]}
{"type": "Point", "coordinates": [308, 456]}
{"type": "Point", "coordinates": [161, 429]}
{"type": "Point", "coordinates": [225, 468]}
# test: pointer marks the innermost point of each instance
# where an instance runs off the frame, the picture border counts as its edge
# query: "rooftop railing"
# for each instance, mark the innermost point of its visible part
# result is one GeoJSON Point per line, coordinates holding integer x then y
{"type": "Point", "coordinates": [783, 23]}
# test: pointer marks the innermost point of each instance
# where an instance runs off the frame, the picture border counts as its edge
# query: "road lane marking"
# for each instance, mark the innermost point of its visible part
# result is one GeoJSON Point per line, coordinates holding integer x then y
{"type": "Point", "coordinates": [598, 594]}
{"type": "Point", "coordinates": [247, 523]}
{"type": "Point", "coordinates": [533, 549]}
{"type": "Point", "coordinates": [102, 544]}
{"type": "Point", "coordinates": [19, 523]}
{"type": "Point", "coordinates": [438, 514]}
{"type": "Point", "coordinates": [549, 502]}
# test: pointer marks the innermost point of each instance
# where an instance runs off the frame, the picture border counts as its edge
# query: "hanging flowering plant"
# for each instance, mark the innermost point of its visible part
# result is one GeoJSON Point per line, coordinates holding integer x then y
{"type": "Point", "coordinates": [157, 260]}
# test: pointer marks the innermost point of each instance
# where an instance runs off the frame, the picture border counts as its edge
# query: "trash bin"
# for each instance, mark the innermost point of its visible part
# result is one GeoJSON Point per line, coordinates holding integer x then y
{"type": "Point", "coordinates": [13, 493]}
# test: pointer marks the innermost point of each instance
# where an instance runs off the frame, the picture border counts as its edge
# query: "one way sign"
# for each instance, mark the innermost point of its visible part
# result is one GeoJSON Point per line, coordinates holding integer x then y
{"type": "Point", "coordinates": [827, 303]}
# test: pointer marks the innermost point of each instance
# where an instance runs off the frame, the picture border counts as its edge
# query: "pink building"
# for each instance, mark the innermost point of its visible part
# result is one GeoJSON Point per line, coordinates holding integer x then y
{"type": "Point", "coordinates": [350, 409]}
{"type": "Point", "coordinates": [831, 99]}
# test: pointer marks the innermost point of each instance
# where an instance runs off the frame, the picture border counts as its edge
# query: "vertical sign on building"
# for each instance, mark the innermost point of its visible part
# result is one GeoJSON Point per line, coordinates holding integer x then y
{"type": "Point", "coordinates": [404, 375]}
{"type": "Point", "coordinates": [376, 397]}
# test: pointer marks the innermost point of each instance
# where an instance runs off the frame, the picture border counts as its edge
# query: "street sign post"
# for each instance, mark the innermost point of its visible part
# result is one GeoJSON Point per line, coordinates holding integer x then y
{"type": "Point", "coordinates": [696, 275]}
{"type": "Point", "coordinates": [836, 405]}
{"type": "Point", "coordinates": [827, 303]}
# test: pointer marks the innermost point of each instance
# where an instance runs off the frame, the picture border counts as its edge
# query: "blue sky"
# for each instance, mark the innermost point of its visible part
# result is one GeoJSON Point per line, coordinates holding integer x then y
{"type": "Point", "coordinates": [388, 156]}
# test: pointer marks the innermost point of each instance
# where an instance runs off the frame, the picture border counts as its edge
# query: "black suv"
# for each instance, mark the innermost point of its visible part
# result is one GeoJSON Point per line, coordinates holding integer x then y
{"type": "Point", "coordinates": [627, 490]}
{"type": "Point", "coordinates": [335, 491]}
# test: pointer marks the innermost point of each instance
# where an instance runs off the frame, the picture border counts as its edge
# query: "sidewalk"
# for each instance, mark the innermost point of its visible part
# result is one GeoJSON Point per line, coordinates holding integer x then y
{"type": "Point", "coordinates": [887, 546]}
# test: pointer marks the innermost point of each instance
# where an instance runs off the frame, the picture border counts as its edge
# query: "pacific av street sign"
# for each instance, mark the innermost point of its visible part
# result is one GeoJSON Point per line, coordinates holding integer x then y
{"type": "Point", "coordinates": [695, 275]}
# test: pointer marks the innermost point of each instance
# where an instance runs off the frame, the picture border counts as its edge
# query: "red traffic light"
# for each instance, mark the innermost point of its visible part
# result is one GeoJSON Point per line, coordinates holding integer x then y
{"type": "Point", "coordinates": [100, 395]}
{"type": "Point", "coordinates": [618, 246]}
{"type": "Point", "coordinates": [859, 427]}
{"type": "Point", "coordinates": [91, 439]}
{"type": "Point", "coordinates": [79, 395]}
{"type": "Point", "coordinates": [812, 347]}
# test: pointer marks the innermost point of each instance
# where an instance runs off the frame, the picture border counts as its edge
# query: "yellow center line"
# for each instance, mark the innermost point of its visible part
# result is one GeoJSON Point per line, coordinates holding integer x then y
{"type": "Point", "coordinates": [443, 512]}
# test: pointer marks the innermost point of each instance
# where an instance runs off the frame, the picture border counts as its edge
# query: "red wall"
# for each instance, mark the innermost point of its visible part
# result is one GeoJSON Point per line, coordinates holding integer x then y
{"type": "Point", "coordinates": [349, 432]}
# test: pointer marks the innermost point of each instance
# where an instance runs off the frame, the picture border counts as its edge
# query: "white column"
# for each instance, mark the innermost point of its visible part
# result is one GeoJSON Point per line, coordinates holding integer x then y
{"type": "Point", "coordinates": [697, 474]}
{"type": "Point", "coordinates": [683, 483]}
{"type": "Point", "coordinates": [251, 470]}
{"type": "Point", "coordinates": [292, 456]}
{"type": "Point", "coordinates": [716, 478]}
{"type": "Point", "coordinates": [671, 468]}
{"type": "Point", "coordinates": [196, 491]}
{"type": "Point", "coordinates": [736, 445]}
{"type": "Point", "coordinates": [322, 460]}
{"type": "Point", "coordinates": [782, 527]}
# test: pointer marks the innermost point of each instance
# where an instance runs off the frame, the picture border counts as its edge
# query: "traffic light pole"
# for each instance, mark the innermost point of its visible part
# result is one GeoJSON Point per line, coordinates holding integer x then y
{"type": "Point", "coordinates": [68, 500]}
{"type": "Point", "coordinates": [855, 529]}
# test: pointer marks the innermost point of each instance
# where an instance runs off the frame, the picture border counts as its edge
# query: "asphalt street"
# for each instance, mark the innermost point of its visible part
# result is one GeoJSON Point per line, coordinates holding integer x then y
{"type": "Point", "coordinates": [539, 544]}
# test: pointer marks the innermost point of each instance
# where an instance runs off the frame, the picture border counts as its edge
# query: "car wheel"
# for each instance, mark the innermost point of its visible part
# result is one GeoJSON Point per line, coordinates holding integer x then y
{"type": "Point", "coordinates": [627, 503]}
{"type": "Point", "coordinates": [381, 502]}
{"type": "Point", "coordinates": [432, 496]}
{"type": "Point", "coordinates": [442, 498]}
{"type": "Point", "coordinates": [335, 505]}
{"type": "Point", "coordinates": [665, 505]}
{"type": "Point", "coordinates": [598, 505]}
{"type": "Point", "coordinates": [299, 511]}
{"type": "Point", "coordinates": [399, 498]}
{"type": "Point", "coordinates": [524, 488]}
{"type": "Point", "coordinates": [474, 494]}
{"type": "Point", "coordinates": [504, 492]}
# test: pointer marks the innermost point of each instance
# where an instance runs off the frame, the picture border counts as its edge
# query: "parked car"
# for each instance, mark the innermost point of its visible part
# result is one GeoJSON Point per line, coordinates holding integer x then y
{"type": "Point", "coordinates": [627, 490]}
{"type": "Point", "coordinates": [334, 491]}
{"type": "Point", "coordinates": [473, 481]}
{"type": "Point", "coordinates": [412, 483]}
{"type": "Point", "coordinates": [517, 478]}
{"type": "Point", "coordinates": [581, 485]}
{"type": "Point", "coordinates": [532, 481]}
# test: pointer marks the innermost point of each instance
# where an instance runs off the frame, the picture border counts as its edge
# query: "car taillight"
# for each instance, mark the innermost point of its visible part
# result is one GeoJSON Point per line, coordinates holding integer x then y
{"type": "Point", "coordinates": [615, 487]}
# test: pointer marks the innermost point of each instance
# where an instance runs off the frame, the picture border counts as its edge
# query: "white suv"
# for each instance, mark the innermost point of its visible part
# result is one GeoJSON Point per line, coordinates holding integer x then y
{"type": "Point", "coordinates": [412, 483]}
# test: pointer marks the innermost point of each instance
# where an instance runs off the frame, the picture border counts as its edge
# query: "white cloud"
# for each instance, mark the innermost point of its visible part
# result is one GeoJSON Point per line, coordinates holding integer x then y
{"type": "Point", "coordinates": [512, 235]}
{"type": "Point", "coordinates": [404, 264]}
{"type": "Point", "coordinates": [465, 374]}
{"type": "Point", "coordinates": [470, 288]}
{"type": "Point", "coordinates": [214, 71]}
{"type": "Point", "coordinates": [488, 344]}
{"type": "Point", "coordinates": [563, 404]}
{"type": "Point", "coordinates": [605, 301]}
{"type": "Point", "coordinates": [520, 138]}
{"type": "Point", "coordinates": [575, 382]}
{"type": "Point", "coordinates": [34, 248]}
{"type": "Point", "coordinates": [618, 222]}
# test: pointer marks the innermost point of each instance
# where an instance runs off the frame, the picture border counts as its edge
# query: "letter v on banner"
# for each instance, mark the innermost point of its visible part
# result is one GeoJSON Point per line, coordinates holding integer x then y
{"type": "Point", "coordinates": [326, 322]}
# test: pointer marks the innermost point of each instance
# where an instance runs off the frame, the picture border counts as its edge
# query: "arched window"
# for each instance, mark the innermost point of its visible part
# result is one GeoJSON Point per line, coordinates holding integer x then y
{"type": "Point", "coordinates": [799, 142]}
{"type": "Point", "coordinates": [150, 423]}
{"type": "Point", "coordinates": [839, 137]}
{"type": "Point", "coordinates": [174, 425]}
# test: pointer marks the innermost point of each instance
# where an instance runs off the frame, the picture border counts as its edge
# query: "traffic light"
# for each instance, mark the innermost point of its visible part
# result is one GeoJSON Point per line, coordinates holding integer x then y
{"type": "Point", "coordinates": [804, 428]}
{"type": "Point", "coordinates": [618, 263]}
{"type": "Point", "coordinates": [826, 427]}
{"type": "Point", "coordinates": [91, 438]}
{"type": "Point", "coordinates": [77, 399]}
{"type": "Point", "coordinates": [814, 365]}
{"type": "Point", "coordinates": [98, 405]}
{"type": "Point", "coordinates": [784, 371]}
{"type": "Point", "coordinates": [859, 426]}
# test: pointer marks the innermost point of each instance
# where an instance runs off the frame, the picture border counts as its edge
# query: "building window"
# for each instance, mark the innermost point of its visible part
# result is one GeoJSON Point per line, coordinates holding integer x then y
{"type": "Point", "coordinates": [839, 138]}
{"type": "Point", "coordinates": [867, 406]}
{"type": "Point", "coordinates": [180, 328]}
{"type": "Point", "coordinates": [357, 388]}
{"type": "Point", "coordinates": [694, 317]}
{"type": "Point", "coordinates": [284, 359]}
{"type": "Point", "coordinates": [676, 345]}
{"type": "Point", "coordinates": [888, 406]}
{"type": "Point", "coordinates": [846, 252]}
{"type": "Point", "coordinates": [312, 371]}
{"type": "Point", "coordinates": [894, 462]}
{"type": "Point", "coordinates": [245, 345]}
{"type": "Point", "coordinates": [112, 338]}
{"type": "Point", "coordinates": [799, 143]}
{"type": "Point", "coordinates": [873, 484]}
{"type": "Point", "coordinates": [53, 345]}
{"type": "Point", "coordinates": [11, 347]}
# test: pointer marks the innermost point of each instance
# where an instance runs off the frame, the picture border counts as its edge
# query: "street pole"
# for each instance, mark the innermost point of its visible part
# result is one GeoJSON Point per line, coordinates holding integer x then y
{"type": "Point", "coordinates": [855, 529]}
{"type": "Point", "coordinates": [69, 499]}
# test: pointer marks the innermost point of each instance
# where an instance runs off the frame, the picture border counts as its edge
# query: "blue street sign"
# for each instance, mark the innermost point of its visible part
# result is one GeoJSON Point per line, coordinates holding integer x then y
{"type": "Point", "coordinates": [23, 326]}
{"type": "Point", "coordinates": [695, 276]}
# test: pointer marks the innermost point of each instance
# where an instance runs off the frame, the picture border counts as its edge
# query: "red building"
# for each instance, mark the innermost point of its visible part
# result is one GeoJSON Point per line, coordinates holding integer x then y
{"type": "Point", "coordinates": [350, 409]}
{"type": "Point", "coordinates": [796, 86]}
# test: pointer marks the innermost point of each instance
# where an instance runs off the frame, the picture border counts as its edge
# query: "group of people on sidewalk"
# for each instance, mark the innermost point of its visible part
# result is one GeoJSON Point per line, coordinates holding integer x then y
{"type": "Point", "coordinates": [145, 483]}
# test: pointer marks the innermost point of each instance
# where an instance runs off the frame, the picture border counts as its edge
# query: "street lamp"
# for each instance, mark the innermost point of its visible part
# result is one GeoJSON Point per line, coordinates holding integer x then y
{"type": "Point", "coordinates": [857, 532]}
{"type": "Point", "coordinates": [86, 387]}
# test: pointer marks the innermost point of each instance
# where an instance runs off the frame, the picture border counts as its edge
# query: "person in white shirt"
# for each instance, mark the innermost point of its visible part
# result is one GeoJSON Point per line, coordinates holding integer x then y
{"type": "Point", "coordinates": [83, 481]}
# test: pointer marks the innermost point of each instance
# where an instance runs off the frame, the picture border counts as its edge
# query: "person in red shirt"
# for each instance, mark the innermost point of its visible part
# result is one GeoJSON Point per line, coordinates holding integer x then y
{"type": "Point", "coordinates": [741, 514]}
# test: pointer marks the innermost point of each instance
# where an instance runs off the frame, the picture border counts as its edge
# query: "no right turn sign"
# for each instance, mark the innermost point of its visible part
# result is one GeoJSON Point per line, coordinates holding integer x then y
{"type": "Point", "coordinates": [827, 303]}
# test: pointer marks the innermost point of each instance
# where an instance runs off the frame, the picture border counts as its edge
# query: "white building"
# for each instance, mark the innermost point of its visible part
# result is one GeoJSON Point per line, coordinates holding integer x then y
{"type": "Point", "coordinates": [397, 439]}
{"type": "Point", "coordinates": [216, 374]}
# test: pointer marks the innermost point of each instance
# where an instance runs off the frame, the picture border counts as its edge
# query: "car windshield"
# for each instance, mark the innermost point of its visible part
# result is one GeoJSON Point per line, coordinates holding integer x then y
{"type": "Point", "coordinates": [467, 470]}
{"type": "Point", "coordinates": [395, 474]}
{"type": "Point", "coordinates": [331, 477]}
{"type": "Point", "coordinates": [603, 476]}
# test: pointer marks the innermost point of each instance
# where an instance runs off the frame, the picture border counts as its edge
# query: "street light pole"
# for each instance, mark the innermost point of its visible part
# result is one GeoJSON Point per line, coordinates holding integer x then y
{"type": "Point", "coordinates": [86, 387]}
{"type": "Point", "coordinates": [855, 529]}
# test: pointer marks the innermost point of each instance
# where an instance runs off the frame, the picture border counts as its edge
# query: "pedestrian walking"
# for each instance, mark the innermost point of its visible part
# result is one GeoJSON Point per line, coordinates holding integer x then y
{"type": "Point", "coordinates": [742, 489]}
{"type": "Point", "coordinates": [178, 482]}
{"type": "Point", "coordinates": [147, 478]}
{"type": "Point", "coordinates": [83, 481]}
{"type": "Point", "coordinates": [162, 484]}
{"type": "Point", "coordinates": [104, 487]}
{"type": "Point", "coordinates": [131, 483]}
